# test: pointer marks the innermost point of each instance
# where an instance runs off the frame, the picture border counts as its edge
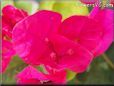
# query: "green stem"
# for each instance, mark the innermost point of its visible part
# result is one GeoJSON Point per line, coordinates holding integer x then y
{"type": "Point", "coordinates": [108, 61]}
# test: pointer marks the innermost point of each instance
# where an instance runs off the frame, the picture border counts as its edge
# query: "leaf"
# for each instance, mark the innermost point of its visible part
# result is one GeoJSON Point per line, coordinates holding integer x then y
{"type": "Point", "coordinates": [99, 73]}
{"type": "Point", "coordinates": [70, 75]}
{"type": "Point", "coordinates": [72, 82]}
{"type": "Point", "coordinates": [110, 52]}
{"type": "Point", "coordinates": [15, 66]}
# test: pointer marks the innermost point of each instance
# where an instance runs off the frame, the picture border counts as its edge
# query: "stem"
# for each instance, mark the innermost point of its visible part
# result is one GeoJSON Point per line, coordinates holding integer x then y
{"type": "Point", "coordinates": [77, 81]}
{"type": "Point", "coordinates": [108, 61]}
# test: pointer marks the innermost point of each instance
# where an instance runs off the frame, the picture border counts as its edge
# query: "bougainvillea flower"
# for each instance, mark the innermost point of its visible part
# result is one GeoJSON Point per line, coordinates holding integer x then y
{"type": "Point", "coordinates": [82, 31]}
{"type": "Point", "coordinates": [36, 41]}
{"type": "Point", "coordinates": [13, 14]}
{"type": "Point", "coordinates": [10, 17]}
{"type": "Point", "coordinates": [30, 75]}
{"type": "Point", "coordinates": [93, 32]}
{"type": "Point", "coordinates": [104, 18]}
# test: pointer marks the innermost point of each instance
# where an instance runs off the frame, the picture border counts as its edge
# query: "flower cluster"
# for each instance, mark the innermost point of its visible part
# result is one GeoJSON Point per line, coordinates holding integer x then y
{"type": "Point", "coordinates": [45, 39]}
{"type": "Point", "coordinates": [10, 17]}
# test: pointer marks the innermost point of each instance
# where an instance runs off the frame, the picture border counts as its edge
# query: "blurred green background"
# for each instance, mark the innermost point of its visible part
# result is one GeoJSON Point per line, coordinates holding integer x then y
{"type": "Point", "coordinates": [101, 70]}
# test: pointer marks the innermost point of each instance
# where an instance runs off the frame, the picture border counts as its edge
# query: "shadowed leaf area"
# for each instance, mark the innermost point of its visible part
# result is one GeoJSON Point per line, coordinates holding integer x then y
{"type": "Point", "coordinates": [99, 71]}
{"type": "Point", "coordinates": [15, 66]}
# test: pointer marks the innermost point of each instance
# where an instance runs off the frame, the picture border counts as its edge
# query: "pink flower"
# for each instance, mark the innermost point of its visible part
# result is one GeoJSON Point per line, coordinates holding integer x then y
{"type": "Point", "coordinates": [37, 41]}
{"type": "Point", "coordinates": [13, 14]}
{"type": "Point", "coordinates": [43, 39]}
{"type": "Point", "coordinates": [91, 32]}
{"type": "Point", "coordinates": [10, 16]}
{"type": "Point", "coordinates": [30, 75]}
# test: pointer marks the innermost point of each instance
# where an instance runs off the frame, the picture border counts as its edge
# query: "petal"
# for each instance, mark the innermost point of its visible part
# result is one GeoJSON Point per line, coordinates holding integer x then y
{"type": "Point", "coordinates": [13, 14]}
{"type": "Point", "coordinates": [30, 75]}
{"type": "Point", "coordinates": [7, 54]}
{"type": "Point", "coordinates": [5, 63]}
{"type": "Point", "coordinates": [6, 27]}
{"type": "Point", "coordinates": [105, 18]}
{"type": "Point", "coordinates": [57, 77]}
{"type": "Point", "coordinates": [28, 81]}
{"type": "Point", "coordinates": [7, 48]}
{"type": "Point", "coordinates": [87, 32]}
{"type": "Point", "coordinates": [70, 53]}
{"type": "Point", "coordinates": [30, 36]}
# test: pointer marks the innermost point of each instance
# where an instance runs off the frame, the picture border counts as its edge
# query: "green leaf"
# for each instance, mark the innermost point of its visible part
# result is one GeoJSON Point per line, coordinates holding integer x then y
{"type": "Point", "coordinates": [100, 73]}
{"type": "Point", "coordinates": [27, 5]}
{"type": "Point", "coordinates": [110, 52]}
{"type": "Point", "coordinates": [16, 65]}
{"type": "Point", "coordinates": [70, 75]}
{"type": "Point", "coordinates": [41, 68]}
{"type": "Point", "coordinates": [72, 82]}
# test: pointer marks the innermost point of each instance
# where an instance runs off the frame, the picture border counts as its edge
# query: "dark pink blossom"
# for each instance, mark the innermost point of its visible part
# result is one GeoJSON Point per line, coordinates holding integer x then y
{"type": "Point", "coordinates": [37, 41]}
{"type": "Point", "coordinates": [13, 14]}
{"type": "Point", "coordinates": [10, 16]}
{"type": "Point", "coordinates": [83, 30]}
{"type": "Point", "coordinates": [43, 39]}
{"type": "Point", "coordinates": [94, 32]}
